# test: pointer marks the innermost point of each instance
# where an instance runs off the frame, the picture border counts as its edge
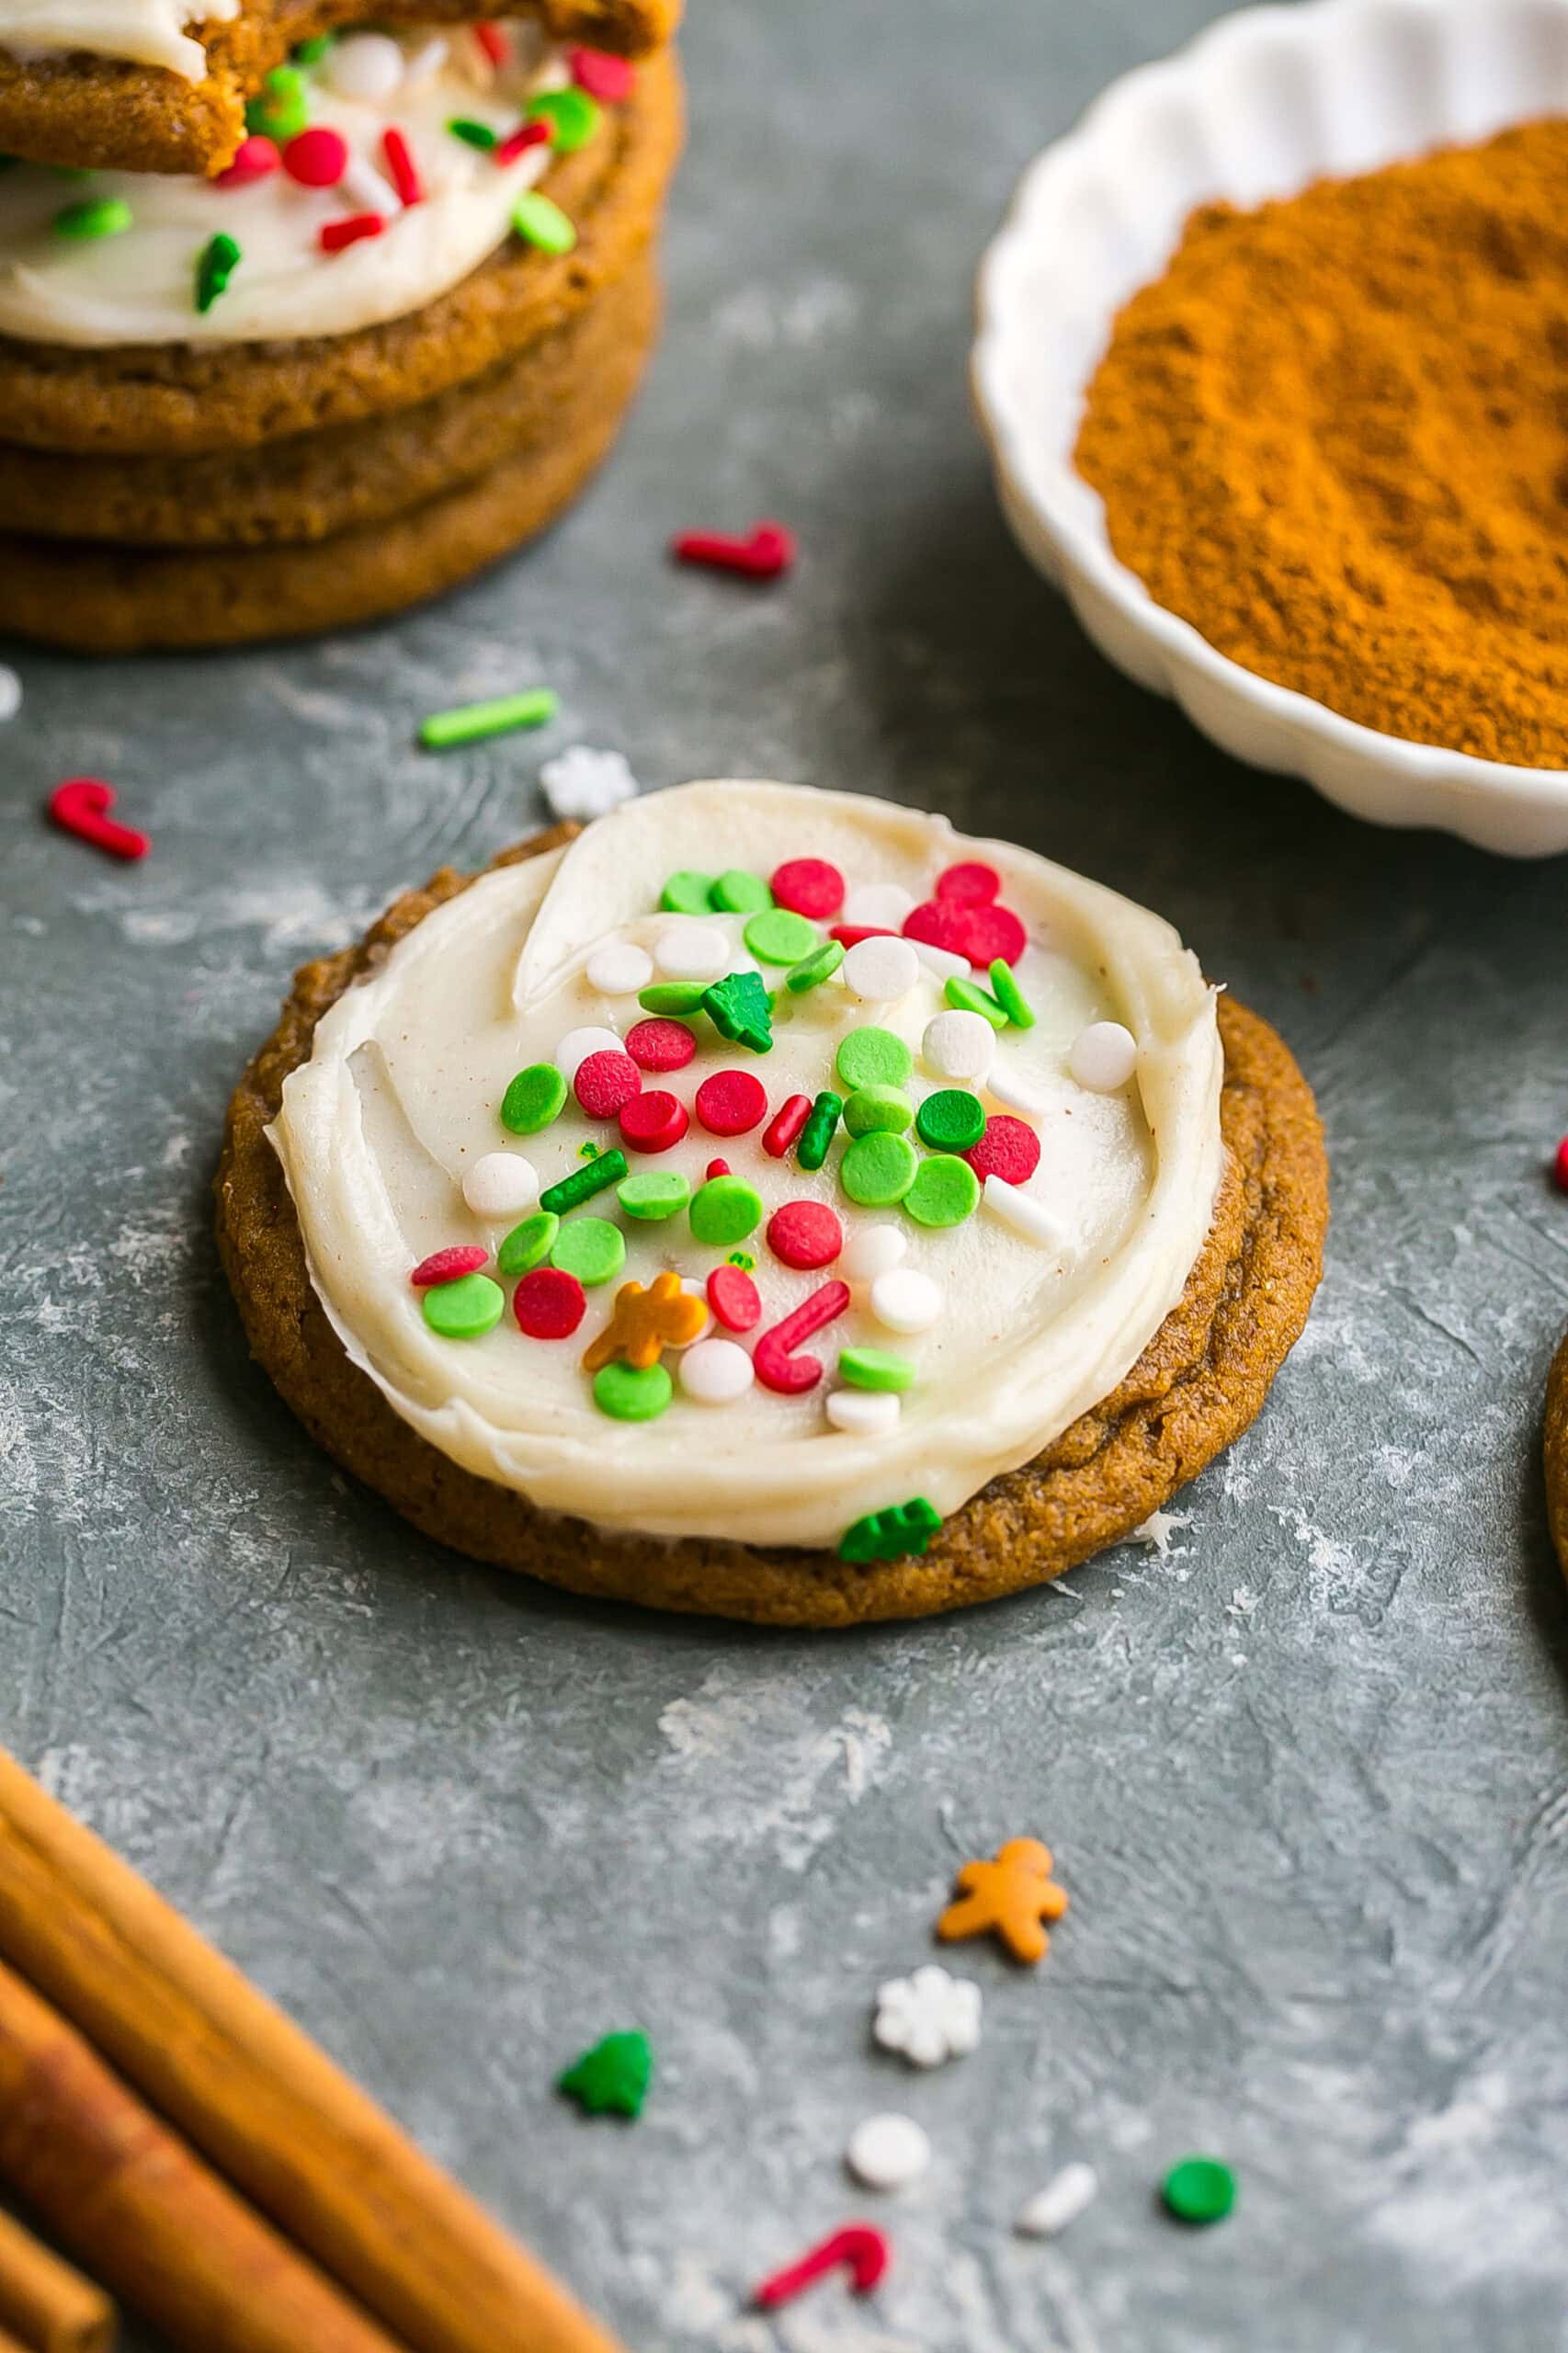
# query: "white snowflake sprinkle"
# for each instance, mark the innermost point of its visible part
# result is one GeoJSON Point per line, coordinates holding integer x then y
{"type": "Point", "coordinates": [1158, 1530]}
{"type": "Point", "coordinates": [581, 783]}
{"type": "Point", "coordinates": [929, 2016]}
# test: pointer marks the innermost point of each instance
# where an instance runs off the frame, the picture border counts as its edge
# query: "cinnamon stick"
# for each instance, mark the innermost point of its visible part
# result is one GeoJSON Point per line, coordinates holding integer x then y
{"type": "Point", "coordinates": [257, 2097]}
{"type": "Point", "coordinates": [51, 2308]}
{"type": "Point", "coordinates": [169, 2236]}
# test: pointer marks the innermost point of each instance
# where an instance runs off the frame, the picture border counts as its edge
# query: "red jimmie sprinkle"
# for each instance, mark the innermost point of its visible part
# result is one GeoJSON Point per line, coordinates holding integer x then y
{"type": "Point", "coordinates": [604, 1081]}
{"type": "Point", "coordinates": [850, 935]}
{"type": "Point", "coordinates": [858, 2245]}
{"type": "Point", "coordinates": [660, 1044]}
{"type": "Point", "coordinates": [1560, 1165]}
{"type": "Point", "coordinates": [317, 157]}
{"type": "Point", "coordinates": [778, 1365]}
{"type": "Point", "coordinates": [335, 234]}
{"type": "Point", "coordinates": [769, 551]}
{"type": "Point", "coordinates": [654, 1122]}
{"type": "Point", "coordinates": [550, 1303]}
{"type": "Point", "coordinates": [518, 143]}
{"type": "Point", "coordinates": [716, 1169]}
{"type": "Point", "coordinates": [734, 1299]}
{"type": "Point", "coordinates": [783, 1130]}
{"type": "Point", "coordinates": [495, 43]}
{"type": "Point", "coordinates": [402, 167]}
{"type": "Point", "coordinates": [602, 76]}
{"type": "Point", "coordinates": [970, 884]}
{"type": "Point", "coordinates": [732, 1102]}
{"type": "Point", "coordinates": [808, 886]}
{"type": "Point", "coordinates": [446, 1266]}
{"type": "Point", "coordinates": [254, 158]}
{"type": "Point", "coordinates": [81, 806]}
{"type": "Point", "coordinates": [1008, 1149]}
{"type": "Point", "coordinates": [805, 1233]}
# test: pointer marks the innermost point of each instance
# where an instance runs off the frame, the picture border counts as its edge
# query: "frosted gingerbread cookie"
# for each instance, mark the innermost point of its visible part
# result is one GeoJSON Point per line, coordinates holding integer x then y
{"type": "Point", "coordinates": [769, 1202]}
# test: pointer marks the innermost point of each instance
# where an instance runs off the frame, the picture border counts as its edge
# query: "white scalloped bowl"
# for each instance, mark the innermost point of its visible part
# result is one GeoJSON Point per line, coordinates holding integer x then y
{"type": "Point", "coordinates": [1260, 106]}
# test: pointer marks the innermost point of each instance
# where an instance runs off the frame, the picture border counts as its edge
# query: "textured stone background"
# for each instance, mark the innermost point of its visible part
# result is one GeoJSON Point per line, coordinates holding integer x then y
{"type": "Point", "coordinates": [1307, 1776]}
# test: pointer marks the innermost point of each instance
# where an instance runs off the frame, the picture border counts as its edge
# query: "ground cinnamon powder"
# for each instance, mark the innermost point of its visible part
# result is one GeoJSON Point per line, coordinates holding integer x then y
{"type": "Point", "coordinates": [1334, 437]}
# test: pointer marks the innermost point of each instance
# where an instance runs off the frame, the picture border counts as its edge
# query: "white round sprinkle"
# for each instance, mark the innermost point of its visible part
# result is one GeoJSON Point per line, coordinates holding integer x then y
{"type": "Point", "coordinates": [366, 67]}
{"type": "Point", "coordinates": [1008, 1087]}
{"type": "Point", "coordinates": [1062, 2201]}
{"type": "Point", "coordinates": [1022, 1213]}
{"type": "Point", "coordinates": [501, 1185]}
{"type": "Point", "coordinates": [716, 1372]}
{"type": "Point", "coordinates": [10, 692]}
{"type": "Point", "coordinates": [885, 903]}
{"type": "Point", "coordinates": [580, 783]}
{"type": "Point", "coordinates": [867, 1413]}
{"type": "Point", "coordinates": [871, 1252]}
{"type": "Point", "coordinates": [1104, 1057]}
{"type": "Point", "coordinates": [959, 1045]}
{"type": "Point", "coordinates": [906, 1300]}
{"type": "Point", "coordinates": [620, 968]}
{"type": "Point", "coordinates": [887, 2152]}
{"type": "Point", "coordinates": [691, 951]}
{"type": "Point", "coordinates": [945, 962]}
{"type": "Point", "coordinates": [879, 971]}
{"type": "Point", "coordinates": [578, 1044]}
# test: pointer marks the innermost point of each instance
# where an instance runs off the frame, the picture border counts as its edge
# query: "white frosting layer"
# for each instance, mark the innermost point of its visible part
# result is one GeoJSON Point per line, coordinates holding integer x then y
{"type": "Point", "coordinates": [138, 287]}
{"type": "Point", "coordinates": [400, 1098]}
{"type": "Point", "coordinates": [149, 32]}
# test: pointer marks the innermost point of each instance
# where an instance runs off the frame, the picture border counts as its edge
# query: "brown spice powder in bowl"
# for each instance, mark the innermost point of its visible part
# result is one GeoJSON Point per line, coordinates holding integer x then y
{"type": "Point", "coordinates": [1334, 438]}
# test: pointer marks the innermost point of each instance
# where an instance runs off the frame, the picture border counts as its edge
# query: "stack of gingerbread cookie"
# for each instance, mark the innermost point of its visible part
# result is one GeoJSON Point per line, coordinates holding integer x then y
{"type": "Point", "coordinates": [304, 320]}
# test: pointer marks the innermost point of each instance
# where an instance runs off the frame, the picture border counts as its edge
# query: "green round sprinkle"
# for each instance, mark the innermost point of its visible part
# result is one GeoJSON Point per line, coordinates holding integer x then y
{"type": "Point", "coordinates": [816, 968]}
{"type": "Point", "coordinates": [472, 133]}
{"type": "Point", "coordinates": [1010, 997]}
{"type": "Point", "coordinates": [655, 1197]}
{"type": "Point", "coordinates": [539, 223]}
{"type": "Point", "coordinates": [605, 1169]}
{"type": "Point", "coordinates": [724, 1211]}
{"type": "Point", "coordinates": [872, 1109]}
{"type": "Point", "coordinates": [945, 1192]}
{"type": "Point", "coordinates": [590, 1248]}
{"type": "Point", "coordinates": [536, 1096]}
{"type": "Point", "coordinates": [875, 1368]}
{"type": "Point", "coordinates": [279, 110]}
{"type": "Point", "coordinates": [571, 115]}
{"type": "Point", "coordinates": [871, 1057]}
{"type": "Point", "coordinates": [672, 996]}
{"type": "Point", "coordinates": [685, 893]}
{"type": "Point", "coordinates": [776, 937]}
{"type": "Point", "coordinates": [95, 216]}
{"type": "Point", "coordinates": [465, 1310]}
{"type": "Point", "coordinates": [967, 998]}
{"type": "Point", "coordinates": [818, 1131]}
{"type": "Point", "coordinates": [736, 893]}
{"type": "Point", "coordinates": [879, 1169]}
{"type": "Point", "coordinates": [628, 1394]}
{"type": "Point", "coordinates": [217, 261]}
{"type": "Point", "coordinates": [529, 1244]}
{"type": "Point", "coordinates": [1199, 2189]}
{"type": "Point", "coordinates": [950, 1120]}
{"type": "Point", "coordinates": [473, 722]}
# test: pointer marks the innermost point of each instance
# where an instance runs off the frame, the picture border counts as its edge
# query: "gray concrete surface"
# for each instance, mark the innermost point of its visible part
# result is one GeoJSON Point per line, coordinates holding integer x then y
{"type": "Point", "coordinates": [1307, 1776]}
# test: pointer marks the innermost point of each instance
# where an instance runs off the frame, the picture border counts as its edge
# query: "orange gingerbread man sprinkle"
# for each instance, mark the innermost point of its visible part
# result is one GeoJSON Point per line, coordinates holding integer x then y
{"type": "Point", "coordinates": [646, 1323]}
{"type": "Point", "coordinates": [1013, 1895]}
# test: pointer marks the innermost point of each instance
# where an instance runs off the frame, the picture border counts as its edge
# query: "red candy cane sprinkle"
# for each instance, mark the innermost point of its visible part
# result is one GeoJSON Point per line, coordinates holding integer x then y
{"type": "Point", "coordinates": [1560, 1165]}
{"type": "Point", "coordinates": [732, 1102]}
{"type": "Point", "coordinates": [805, 1233]}
{"type": "Point", "coordinates": [778, 1366]}
{"type": "Point", "coordinates": [734, 1299]}
{"type": "Point", "coordinates": [401, 168]}
{"type": "Point", "coordinates": [550, 1303]}
{"type": "Point", "coordinates": [604, 1082]}
{"type": "Point", "coordinates": [769, 551]}
{"type": "Point", "coordinates": [783, 1130]}
{"type": "Point", "coordinates": [254, 158]}
{"type": "Point", "coordinates": [1008, 1149]}
{"type": "Point", "coordinates": [858, 2245]}
{"type": "Point", "coordinates": [602, 76]}
{"type": "Point", "coordinates": [660, 1044]}
{"type": "Point", "coordinates": [808, 886]}
{"type": "Point", "coordinates": [317, 157]}
{"type": "Point", "coordinates": [446, 1266]}
{"type": "Point", "coordinates": [970, 884]}
{"type": "Point", "coordinates": [492, 41]}
{"type": "Point", "coordinates": [81, 806]}
{"type": "Point", "coordinates": [518, 143]}
{"type": "Point", "coordinates": [335, 234]}
{"type": "Point", "coordinates": [654, 1122]}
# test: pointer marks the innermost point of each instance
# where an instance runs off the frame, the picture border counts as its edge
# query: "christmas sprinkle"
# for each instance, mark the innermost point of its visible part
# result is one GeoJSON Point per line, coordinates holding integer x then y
{"type": "Point", "coordinates": [1009, 1897]}
{"type": "Point", "coordinates": [474, 722]}
{"type": "Point", "coordinates": [858, 2246]}
{"type": "Point", "coordinates": [218, 260]}
{"type": "Point", "coordinates": [540, 222]}
{"type": "Point", "coordinates": [769, 551]}
{"type": "Point", "coordinates": [81, 806]}
{"type": "Point", "coordinates": [611, 2078]}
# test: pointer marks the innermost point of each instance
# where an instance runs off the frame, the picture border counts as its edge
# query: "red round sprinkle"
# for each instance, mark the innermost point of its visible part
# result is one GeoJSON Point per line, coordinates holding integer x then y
{"type": "Point", "coordinates": [660, 1045]}
{"type": "Point", "coordinates": [604, 1081]}
{"type": "Point", "coordinates": [939, 925]}
{"type": "Point", "coordinates": [969, 885]}
{"type": "Point", "coordinates": [734, 1299]}
{"type": "Point", "coordinates": [400, 166]}
{"type": "Point", "coordinates": [731, 1102]}
{"type": "Point", "coordinates": [492, 41]}
{"type": "Point", "coordinates": [653, 1123]}
{"type": "Point", "coordinates": [987, 933]}
{"type": "Point", "coordinates": [850, 935]}
{"type": "Point", "coordinates": [518, 143]}
{"type": "Point", "coordinates": [446, 1266]}
{"type": "Point", "coordinates": [1008, 1149]}
{"type": "Point", "coordinates": [805, 1233]}
{"type": "Point", "coordinates": [550, 1303]}
{"type": "Point", "coordinates": [1562, 1163]}
{"type": "Point", "coordinates": [317, 157]}
{"type": "Point", "coordinates": [778, 1366]}
{"type": "Point", "coordinates": [335, 234]}
{"type": "Point", "coordinates": [808, 886]}
{"type": "Point", "coordinates": [254, 158]}
{"type": "Point", "coordinates": [716, 1169]}
{"type": "Point", "coordinates": [602, 76]}
{"type": "Point", "coordinates": [782, 1132]}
